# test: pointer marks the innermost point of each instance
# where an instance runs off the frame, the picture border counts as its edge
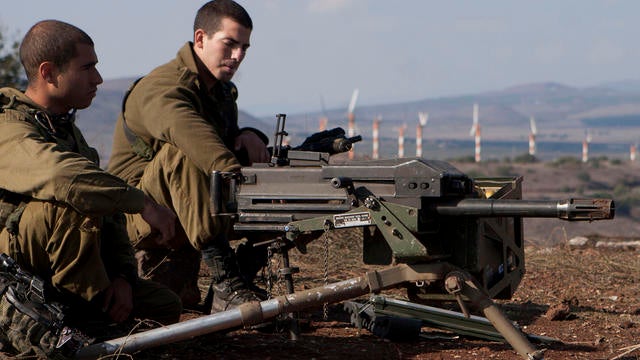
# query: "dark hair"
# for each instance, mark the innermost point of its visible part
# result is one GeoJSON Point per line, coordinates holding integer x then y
{"type": "Point", "coordinates": [50, 40]}
{"type": "Point", "coordinates": [210, 15]}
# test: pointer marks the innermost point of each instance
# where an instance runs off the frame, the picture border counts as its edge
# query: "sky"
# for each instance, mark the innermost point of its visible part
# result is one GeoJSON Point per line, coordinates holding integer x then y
{"type": "Point", "coordinates": [310, 54]}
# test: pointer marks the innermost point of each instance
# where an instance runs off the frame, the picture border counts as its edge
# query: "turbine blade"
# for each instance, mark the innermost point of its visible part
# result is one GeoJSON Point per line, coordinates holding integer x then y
{"type": "Point", "coordinates": [423, 118]}
{"type": "Point", "coordinates": [534, 129]}
{"type": "Point", "coordinates": [354, 98]}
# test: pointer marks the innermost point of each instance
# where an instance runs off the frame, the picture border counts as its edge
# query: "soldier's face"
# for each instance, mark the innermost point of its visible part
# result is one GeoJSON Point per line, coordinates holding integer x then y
{"type": "Point", "coordinates": [223, 51]}
{"type": "Point", "coordinates": [76, 84]}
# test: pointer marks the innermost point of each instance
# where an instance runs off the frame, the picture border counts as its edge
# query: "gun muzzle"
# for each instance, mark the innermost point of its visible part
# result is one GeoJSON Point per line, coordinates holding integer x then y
{"type": "Point", "coordinates": [571, 209]}
{"type": "Point", "coordinates": [586, 209]}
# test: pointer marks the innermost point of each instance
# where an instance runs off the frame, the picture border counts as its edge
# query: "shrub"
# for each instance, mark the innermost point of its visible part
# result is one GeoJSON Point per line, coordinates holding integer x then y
{"type": "Point", "coordinates": [583, 176]}
{"type": "Point", "coordinates": [566, 161]}
{"type": "Point", "coordinates": [505, 170]}
{"type": "Point", "coordinates": [525, 159]}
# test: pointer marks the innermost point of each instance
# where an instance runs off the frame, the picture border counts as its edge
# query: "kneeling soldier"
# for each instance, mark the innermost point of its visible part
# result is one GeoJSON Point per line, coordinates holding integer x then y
{"type": "Point", "coordinates": [60, 213]}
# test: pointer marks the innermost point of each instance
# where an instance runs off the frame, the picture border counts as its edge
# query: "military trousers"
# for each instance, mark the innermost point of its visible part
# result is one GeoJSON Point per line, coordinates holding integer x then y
{"type": "Point", "coordinates": [65, 249]}
{"type": "Point", "coordinates": [173, 180]}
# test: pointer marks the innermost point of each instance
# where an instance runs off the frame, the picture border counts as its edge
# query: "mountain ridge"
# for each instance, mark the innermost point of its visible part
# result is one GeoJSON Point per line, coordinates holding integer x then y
{"type": "Point", "coordinates": [611, 112]}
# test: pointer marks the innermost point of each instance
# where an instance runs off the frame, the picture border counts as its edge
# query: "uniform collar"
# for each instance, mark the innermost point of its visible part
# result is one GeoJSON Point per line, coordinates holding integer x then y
{"type": "Point", "coordinates": [18, 96]}
{"type": "Point", "coordinates": [21, 102]}
{"type": "Point", "coordinates": [188, 58]}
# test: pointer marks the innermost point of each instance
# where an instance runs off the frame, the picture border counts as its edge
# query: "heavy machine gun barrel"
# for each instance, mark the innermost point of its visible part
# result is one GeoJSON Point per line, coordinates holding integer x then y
{"type": "Point", "coordinates": [571, 209]}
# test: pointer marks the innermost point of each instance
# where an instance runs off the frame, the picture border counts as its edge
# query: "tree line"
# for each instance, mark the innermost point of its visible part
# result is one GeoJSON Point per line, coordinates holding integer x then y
{"type": "Point", "coordinates": [11, 72]}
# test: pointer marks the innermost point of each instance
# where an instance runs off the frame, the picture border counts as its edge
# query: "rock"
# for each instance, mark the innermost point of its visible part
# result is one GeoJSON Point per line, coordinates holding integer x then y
{"type": "Point", "coordinates": [624, 245]}
{"type": "Point", "coordinates": [627, 324]}
{"type": "Point", "coordinates": [578, 242]}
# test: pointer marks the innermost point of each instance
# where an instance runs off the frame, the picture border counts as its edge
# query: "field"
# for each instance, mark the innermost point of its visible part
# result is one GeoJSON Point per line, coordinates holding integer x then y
{"type": "Point", "coordinates": [585, 296]}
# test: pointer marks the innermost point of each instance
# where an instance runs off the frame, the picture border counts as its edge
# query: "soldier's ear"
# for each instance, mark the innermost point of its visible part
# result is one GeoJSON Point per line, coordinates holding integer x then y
{"type": "Point", "coordinates": [48, 72]}
{"type": "Point", "coordinates": [198, 38]}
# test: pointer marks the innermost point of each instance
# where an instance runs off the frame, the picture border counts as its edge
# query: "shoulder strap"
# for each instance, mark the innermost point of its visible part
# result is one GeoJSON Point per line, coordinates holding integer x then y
{"type": "Point", "coordinates": [140, 147]}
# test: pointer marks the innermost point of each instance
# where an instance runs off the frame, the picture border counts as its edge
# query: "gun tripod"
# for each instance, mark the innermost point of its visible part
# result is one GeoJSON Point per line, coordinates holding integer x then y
{"type": "Point", "coordinates": [281, 247]}
{"type": "Point", "coordinates": [254, 313]}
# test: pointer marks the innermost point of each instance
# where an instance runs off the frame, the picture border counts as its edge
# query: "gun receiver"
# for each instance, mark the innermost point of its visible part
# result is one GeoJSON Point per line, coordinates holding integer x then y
{"type": "Point", "coordinates": [413, 211]}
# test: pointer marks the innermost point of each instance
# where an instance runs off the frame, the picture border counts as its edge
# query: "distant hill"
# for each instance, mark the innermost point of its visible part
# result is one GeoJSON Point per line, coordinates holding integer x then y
{"type": "Point", "coordinates": [629, 86]}
{"type": "Point", "coordinates": [559, 111]}
{"type": "Point", "coordinates": [610, 111]}
{"type": "Point", "coordinates": [563, 116]}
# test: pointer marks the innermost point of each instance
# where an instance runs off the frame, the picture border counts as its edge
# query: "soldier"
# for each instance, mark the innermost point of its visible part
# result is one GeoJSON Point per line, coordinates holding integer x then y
{"type": "Point", "coordinates": [179, 123]}
{"type": "Point", "coordinates": [65, 212]}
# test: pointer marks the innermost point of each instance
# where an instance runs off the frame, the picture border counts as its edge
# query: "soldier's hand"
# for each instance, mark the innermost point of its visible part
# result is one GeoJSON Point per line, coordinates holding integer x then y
{"type": "Point", "coordinates": [255, 148]}
{"type": "Point", "coordinates": [118, 300]}
{"type": "Point", "coordinates": [162, 221]}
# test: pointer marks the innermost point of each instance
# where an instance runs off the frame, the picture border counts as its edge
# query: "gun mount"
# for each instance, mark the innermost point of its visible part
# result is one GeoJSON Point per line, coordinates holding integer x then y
{"type": "Point", "coordinates": [459, 238]}
{"type": "Point", "coordinates": [413, 211]}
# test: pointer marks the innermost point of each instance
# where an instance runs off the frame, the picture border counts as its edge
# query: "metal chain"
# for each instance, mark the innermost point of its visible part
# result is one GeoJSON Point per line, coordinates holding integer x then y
{"type": "Point", "coordinates": [327, 227]}
{"type": "Point", "coordinates": [269, 273]}
{"type": "Point", "coordinates": [274, 279]}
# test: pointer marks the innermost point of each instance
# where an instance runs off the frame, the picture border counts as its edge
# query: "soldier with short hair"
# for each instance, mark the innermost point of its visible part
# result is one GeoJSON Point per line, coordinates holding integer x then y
{"type": "Point", "coordinates": [61, 214]}
{"type": "Point", "coordinates": [180, 123]}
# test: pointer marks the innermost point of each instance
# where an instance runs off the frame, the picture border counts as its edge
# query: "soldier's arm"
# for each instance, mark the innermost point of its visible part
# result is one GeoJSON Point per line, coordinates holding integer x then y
{"type": "Point", "coordinates": [34, 167]}
{"type": "Point", "coordinates": [171, 113]}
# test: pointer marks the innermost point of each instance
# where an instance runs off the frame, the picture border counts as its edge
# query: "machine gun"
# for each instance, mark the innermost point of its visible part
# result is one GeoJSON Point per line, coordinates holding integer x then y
{"type": "Point", "coordinates": [451, 236]}
{"type": "Point", "coordinates": [22, 296]}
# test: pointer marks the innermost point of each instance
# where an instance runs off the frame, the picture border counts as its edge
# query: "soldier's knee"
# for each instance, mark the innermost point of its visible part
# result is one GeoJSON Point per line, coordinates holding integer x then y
{"type": "Point", "coordinates": [156, 302]}
{"type": "Point", "coordinates": [171, 309]}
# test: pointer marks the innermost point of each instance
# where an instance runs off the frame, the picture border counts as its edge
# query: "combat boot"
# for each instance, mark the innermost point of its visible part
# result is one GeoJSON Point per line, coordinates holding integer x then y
{"type": "Point", "coordinates": [228, 288]}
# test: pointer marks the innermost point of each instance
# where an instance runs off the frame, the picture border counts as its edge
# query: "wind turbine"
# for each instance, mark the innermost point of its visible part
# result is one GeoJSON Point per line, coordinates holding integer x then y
{"type": "Point", "coordinates": [585, 147]}
{"type": "Point", "coordinates": [401, 130]}
{"type": "Point", "coordinates": [352, 120]}
{"type": "Point", "coordinates": [532, 136]}
{"type": "Point", "coordinates": [423, 117]}
{"type": "Point", "coordinates": [376, 137]}
{"type": "Point", "coordinates": [475, 131]}
{"type": "Point", "coordinates": [324, 119]}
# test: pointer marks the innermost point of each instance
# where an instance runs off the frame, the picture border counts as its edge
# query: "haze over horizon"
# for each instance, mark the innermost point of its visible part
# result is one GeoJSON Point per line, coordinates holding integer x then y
{"type": "Point", "coordinates": [309, 54]}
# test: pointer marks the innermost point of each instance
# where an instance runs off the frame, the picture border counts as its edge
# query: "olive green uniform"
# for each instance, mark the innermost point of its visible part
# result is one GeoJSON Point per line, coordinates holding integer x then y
{"type": "Point", "coordinates": [190, 130]}
{"type": "Point", "coordinates": [69, 233]}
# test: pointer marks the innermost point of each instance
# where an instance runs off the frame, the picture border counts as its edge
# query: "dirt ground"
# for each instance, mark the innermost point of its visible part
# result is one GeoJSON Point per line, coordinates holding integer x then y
{"type": "Point", "coordinates": [586, 297]}
{"type": "Point", "coordinates": [593, 293]}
